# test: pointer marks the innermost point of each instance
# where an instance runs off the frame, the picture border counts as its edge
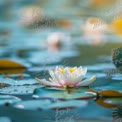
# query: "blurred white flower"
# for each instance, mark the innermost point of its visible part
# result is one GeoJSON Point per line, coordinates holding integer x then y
{"type": "Point", "coordinates": [30, 15]}
{"type": "Point", "coordinates": [94, 29]}
{"type": "Point", "coordinates": [56, 39]}
{"type": "Point", "coordinates": [67, 77]}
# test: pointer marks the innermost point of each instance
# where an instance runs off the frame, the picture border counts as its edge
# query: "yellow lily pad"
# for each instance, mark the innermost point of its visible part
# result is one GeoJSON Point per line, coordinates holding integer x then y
{"type": "Point", "coordinates": [10, 67]}
{"type": "Point", "coordinates": [110, 93]}
{"type": "Point", "coordinates": [106, 105]}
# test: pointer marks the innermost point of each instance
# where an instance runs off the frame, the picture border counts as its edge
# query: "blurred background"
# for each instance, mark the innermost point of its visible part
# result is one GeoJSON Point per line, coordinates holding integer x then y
{"type": "Point", "coordinates": [44, 31]}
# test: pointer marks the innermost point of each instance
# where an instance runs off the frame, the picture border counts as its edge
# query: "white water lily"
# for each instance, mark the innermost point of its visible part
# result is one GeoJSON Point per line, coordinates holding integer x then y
{"type": "Point", "coordinates": [67, 77]}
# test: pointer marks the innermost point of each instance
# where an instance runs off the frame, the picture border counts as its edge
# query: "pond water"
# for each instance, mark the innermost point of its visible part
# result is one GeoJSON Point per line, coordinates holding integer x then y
{"type": "Point", "coordinates": [57, 40]}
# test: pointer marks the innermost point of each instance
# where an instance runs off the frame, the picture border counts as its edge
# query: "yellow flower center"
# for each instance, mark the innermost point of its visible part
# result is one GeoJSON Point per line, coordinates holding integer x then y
{"type": "Point", "coordinates": [70, 69]}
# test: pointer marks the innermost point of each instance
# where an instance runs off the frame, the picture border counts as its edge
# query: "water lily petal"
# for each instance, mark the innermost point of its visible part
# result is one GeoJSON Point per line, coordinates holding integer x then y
{"type": "Point", "coordinates": [87, 81]}
{"type": "Point", "coordinates": [55, 83]}
{"type": "Point", "coordinates": [52, 75]}
{"type": "Point", "coordinates": [67, 77]}
{"type": "Point", "coordinates": [44, 82]}
{"type": "Point", "coordinates": [84, 71]}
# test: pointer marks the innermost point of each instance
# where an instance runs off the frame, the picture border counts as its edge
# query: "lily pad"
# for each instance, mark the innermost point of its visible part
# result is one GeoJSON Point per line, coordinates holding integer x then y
{"type": "Point", "coordinates": [19, 90]}
{"type": "Point", "coordinates": [33, 105]}
{"type": "Point", "coordinates": [17, 81]}
{"type": "Point", "coordinates": [110, 90]}
{"type": "Point", "coordinates": [44, 104]}
{"type": "Point", "coordinates": [8, 99]}
{"type": "Point", "coordinates": [63, 94]}
{"type": "Point", "coordinates": [110, 93]}
{"type": "Point", "coordinates": [116, 101]}
{"type": "Point", "coordinates": [101, 102]}
{"type": "Point", "coordinates": [9, 64]}
{"type": "Point", "coordinates": [10, 67]}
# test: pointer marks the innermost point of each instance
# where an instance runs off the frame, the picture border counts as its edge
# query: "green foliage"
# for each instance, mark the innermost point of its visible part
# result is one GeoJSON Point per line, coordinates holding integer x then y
{"type": "Point", "coordinates": [117, 58]}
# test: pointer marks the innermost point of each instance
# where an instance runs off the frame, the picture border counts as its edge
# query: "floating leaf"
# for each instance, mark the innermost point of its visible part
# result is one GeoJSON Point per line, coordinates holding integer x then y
{"type": "Point", "coordinates": [48, 104]}
{"type": "Point", "coordinates": [33, 104]}
{"type": "Point", "coordinates": [19, 90]}
{"type": "Point", "coordinates": [63, 94]}
{"type": "Point", "coordinates": [18, 82]}
{"type": "Point", "coordinates": [12, 71]}
{"type": "Point", "coordinates": [110, 90]}
{"type": "Point", "coordinates": [116, 101]}
{"type": "Point", "coordinates": [10, 67]}
{"type": "Point", "coordinates": [110, 93]}
{"type": "Point", "coordinates": [104, 104]}
{"type": "Point", "coordinates": [5, 64]}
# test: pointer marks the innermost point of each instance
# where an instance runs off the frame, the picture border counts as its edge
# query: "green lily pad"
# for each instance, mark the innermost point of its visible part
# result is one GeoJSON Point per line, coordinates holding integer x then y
{"type": "Point", "coordinates": [8, 99]}
{"type": "Point", "coordinates": [15, 82]}
{"type": "Point", "coordinates": [80, 93]}
{"type": "Point", "coordinates": [19, 90]}
{"type": "Point", "coordinates": [33, 105]}
{"type": "Point", "coordinates": [117, 101]}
